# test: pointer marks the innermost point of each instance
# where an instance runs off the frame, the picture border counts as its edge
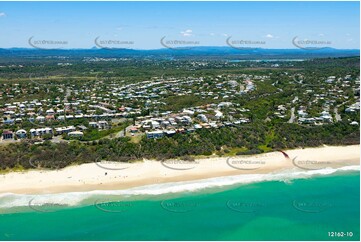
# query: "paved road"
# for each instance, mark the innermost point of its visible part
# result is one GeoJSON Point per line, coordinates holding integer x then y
{"type": "Point", "coordinates": [67, 94]}
{"type": "Point", "coordinates": [337, 115]}
{"type": "Point", "coordinates": [335, 110]}
{"type": "Point", "coordinates": [292, 119]}
{"type": "Point", "coordinates": [121, 133]}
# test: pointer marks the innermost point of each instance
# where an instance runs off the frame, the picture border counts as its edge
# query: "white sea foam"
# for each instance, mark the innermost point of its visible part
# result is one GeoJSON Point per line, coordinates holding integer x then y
{"type": "Point", "coordinates": [10, 200]}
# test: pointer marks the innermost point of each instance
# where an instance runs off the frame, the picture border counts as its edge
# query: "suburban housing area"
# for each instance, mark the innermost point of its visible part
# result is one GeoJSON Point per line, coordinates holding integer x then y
{"type": "Point", "coordinates": [103, 104]}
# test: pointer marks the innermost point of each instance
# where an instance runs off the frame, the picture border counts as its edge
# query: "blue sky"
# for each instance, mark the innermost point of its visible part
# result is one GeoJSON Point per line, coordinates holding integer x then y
{"type": "Point", "coordinates": [207, 23]}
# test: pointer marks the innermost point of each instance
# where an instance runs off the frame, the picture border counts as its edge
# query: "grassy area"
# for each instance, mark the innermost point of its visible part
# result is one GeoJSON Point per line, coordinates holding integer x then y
{"type": "Point", "coordinates": [234, 151]}
{"type": "Point", "coordinates": [264, 148]}
{"type": "Point", "coordinates": [18, 168]}
{"type": "Point", "coordinates": [136, 139]}
{"type": "Point", "coordinates": [179, 102]}
{"type": "Point", "coordinates": [95, 134]}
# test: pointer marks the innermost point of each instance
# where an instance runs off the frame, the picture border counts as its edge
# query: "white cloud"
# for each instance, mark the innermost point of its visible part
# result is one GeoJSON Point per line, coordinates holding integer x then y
{"type": "Point", "coordinates": [321, 35]}
{"type": "Point", "coordinates": [122, 27]}
{"type": "Point", "coordinates": [2, 14]}
{"type": "Point", "coordinates": [188, 32]}
{"type": "Point", "coordinates": [226, 35]}
{"type": "Point", "coordinates": [270, 36]}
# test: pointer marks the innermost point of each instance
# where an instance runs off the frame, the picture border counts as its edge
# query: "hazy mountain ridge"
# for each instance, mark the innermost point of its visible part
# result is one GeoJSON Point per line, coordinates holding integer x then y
{"type": "Point", "coordinates": [202, 51]}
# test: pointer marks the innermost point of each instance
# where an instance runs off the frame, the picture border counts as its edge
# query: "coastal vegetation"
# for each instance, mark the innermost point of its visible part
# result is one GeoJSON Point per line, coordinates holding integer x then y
{"type": "Point", "coordinates": [249, 139]}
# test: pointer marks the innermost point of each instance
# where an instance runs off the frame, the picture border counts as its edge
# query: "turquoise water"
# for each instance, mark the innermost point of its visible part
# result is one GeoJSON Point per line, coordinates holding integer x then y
{"type": "Point", "coordinates": [302, 209]}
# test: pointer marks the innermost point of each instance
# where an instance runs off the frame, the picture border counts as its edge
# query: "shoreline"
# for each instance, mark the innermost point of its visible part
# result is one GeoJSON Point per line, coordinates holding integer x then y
{"type": "Point", "coordinates": [119, 176]}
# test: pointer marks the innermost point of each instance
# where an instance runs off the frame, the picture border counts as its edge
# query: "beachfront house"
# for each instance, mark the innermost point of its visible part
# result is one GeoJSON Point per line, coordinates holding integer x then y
{"type": "Point", "coordinates": [40, 131]}
{"type": "Point", "coordinates": [75, 134]}
{"type": "Point", "coordinates": [154, 134]}
{"type": "Point", "coordinates": [64, 130]}
{"type": "Point", "coordinates": [133, 130]}
{"type": "Point", "coordinates": [8, 135]}
{"type": "Point", "coordinates": [170, 133]}
{"type": "Point", "coordinates": [21, 134]}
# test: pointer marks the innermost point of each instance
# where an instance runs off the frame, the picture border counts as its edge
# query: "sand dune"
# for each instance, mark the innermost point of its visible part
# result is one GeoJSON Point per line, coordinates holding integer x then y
{"type": "Point", "coordinates": [111, 175]}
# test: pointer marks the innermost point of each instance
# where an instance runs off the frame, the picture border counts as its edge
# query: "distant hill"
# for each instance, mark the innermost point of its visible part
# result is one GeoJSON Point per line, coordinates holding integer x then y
{"type": "Point", "coordinates": [196, 52]}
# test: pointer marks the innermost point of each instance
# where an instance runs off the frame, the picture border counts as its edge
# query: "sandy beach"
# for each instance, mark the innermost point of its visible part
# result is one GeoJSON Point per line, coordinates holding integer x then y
{"type": "Point", "coordinates": [107, 175]}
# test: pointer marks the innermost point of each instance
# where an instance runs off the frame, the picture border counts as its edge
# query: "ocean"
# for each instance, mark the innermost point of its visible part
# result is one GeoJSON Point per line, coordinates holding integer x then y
{"type": "Point", "coordinates": [298, 205]}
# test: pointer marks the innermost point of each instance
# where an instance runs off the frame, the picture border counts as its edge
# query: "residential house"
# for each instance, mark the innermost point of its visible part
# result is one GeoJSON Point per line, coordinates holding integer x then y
{"type": "Point", "coordinates": [21, 133]}
{"type": "Point", "coordinates": [7, 135]}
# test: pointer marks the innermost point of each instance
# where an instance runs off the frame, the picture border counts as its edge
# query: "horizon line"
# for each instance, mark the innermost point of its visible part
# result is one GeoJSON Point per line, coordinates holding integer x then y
{"type": "Point", "coordinates": [176, 48]}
